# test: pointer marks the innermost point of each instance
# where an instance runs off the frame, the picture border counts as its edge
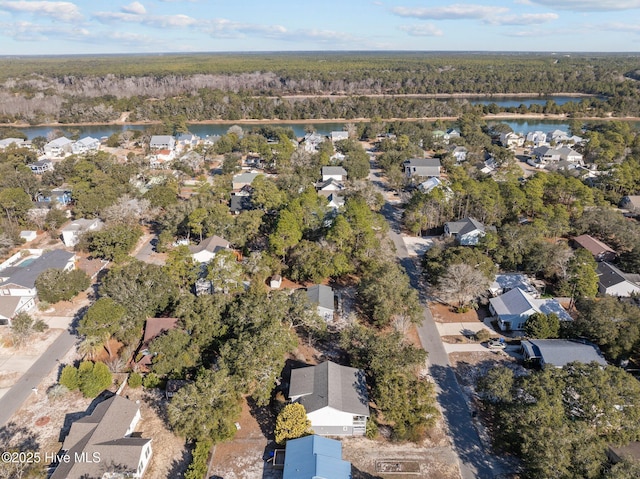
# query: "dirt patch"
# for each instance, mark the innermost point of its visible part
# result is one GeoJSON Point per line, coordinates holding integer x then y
{"type": "Point", "coordinates": [42, 421]}
{"type": "Point", "coordinates": [444, 313]}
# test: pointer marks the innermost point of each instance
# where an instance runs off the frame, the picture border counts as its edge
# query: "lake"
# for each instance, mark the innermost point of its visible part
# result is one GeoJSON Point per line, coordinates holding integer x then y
{"type": "Point", "coordinates": [514, 101]}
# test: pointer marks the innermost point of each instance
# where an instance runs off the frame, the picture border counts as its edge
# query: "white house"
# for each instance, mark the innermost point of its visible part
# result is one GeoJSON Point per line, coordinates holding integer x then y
{"type": "Point", "coordinates": [242, 180]}
{"type": "Point", "coordinates": [311, 142]}
{"type": "Point", "coordinates": [337, 173]}
{"type": "Point", "coordinates": [467, 231]}
{"type": "Point", "coordinates": [162, 142]}
{"type": "Point", "coordinates": [513, 308]}
{"type": "Point", "coordinates": [459, 153]}
{"type": "Point", "coordinates": [58, 148]}
{"type": "Point", "coordinates": [85, 145]}
{"type": "Point", "coordinates": [12, 305]}
{"type": "Point", "coordinates": [6, 142]}
{"type": "Point", "coordinates": [335, 398]}
{"type": "Point", "coordinates": [511, 140]}
{"type": "Point", "coordinates": [207, 249]}
{"type": "Point", "coordinates": [20, 280]}
{"type": "Point", "coordinates": [537, 138]}
{"type": "Point", "coordinates": [41, 166]}
{"type": "Point", "coordinates": [322, 297]}
{"type": "Point", "coordinates": [338, 136]}
{"type": "Point", "coordinates": [106, 434]}
{"type": "Point", "coordinates": [614, 282]}
{"type": "Point", "coordinates": [72, 232]}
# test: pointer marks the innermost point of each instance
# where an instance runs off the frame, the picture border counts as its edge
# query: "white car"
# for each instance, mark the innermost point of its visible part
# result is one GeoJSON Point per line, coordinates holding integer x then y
{"type": "Point", "coordinates": [496, 344]}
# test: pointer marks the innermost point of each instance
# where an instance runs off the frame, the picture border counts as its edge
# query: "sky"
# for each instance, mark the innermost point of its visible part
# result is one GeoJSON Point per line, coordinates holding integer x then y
{"type": "Point", "coordinates": [42, 27]}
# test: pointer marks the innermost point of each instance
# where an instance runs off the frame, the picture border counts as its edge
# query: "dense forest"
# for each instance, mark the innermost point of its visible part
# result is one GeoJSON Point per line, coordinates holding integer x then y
{"type": "Point", "coordinates": [239, 86]}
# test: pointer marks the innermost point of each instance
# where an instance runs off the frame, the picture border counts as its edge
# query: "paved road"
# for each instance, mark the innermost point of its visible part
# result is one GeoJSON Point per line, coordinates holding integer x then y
{"type": "Point", "coordinates": [475, 462]}
{"type": "Point", "coordinates": [20, 391]}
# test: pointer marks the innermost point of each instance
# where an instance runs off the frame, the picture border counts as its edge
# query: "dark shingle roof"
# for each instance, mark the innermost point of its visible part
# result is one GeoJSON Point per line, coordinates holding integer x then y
{"type": "Point", "coordinates": [609, 275]}
{"type": "Point", "coordinates": [330, 385]}
{"type": "Point", "coordinates": [321, 295]}
{"type": "Point", "coordinates": [560, 352]}
{"type": "Point", "coordinates": [26, 277]}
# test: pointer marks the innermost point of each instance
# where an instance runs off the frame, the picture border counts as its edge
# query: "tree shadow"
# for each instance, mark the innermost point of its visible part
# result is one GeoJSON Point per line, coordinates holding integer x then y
{"type": "Point", "coordinates": [180, 464]}
{"type": "Point", "coordinates": [265, 417]}
{"type": "Point", "coordinates": [156, 400]}
{"type": "Point", "coordinates": [18, 437]}
{"type": "Point", "coordinates": [73, 327]}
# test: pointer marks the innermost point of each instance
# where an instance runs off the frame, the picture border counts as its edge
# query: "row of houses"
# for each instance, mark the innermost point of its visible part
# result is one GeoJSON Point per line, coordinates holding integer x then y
{"type": "Point", "coordinates": [539, 138]}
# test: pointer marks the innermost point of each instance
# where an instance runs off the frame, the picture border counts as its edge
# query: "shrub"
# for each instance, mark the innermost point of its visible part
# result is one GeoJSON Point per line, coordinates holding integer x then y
{"type": "Point", "coordinates": [292, 423]}
{"type": "Point", "coordinates": [199, 464]}
{"type": "Point", "coordinates": [57, 391]}
{"type": "Point", "coordinates": [135, 380]}
{"type": "Point", "coordinates": [483, 335]}
{"type": "Point", "coordinates": [151, 380]}
{"type": "Point", "coordinates": [372, 428]}
{"type": "Point", "coordinates": [69, 378]}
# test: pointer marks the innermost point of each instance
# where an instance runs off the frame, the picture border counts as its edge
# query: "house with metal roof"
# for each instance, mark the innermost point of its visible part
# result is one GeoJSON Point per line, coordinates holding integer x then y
{"type": "Point", "coordinates": [513, 308]}
{"type": "Point", "coordinates": [315, 457]}
{"type": "Point", "coordinates": [467, 231]}
{"type": "Point", "coordinates": [631, 203]}
{"type": "Point", "coordinates": [322, 298]}
{"type": "Point", "coordinates": [242, 180]}
{"type": "Point", "coordinates": [508, 281]}
{"type": "Point", "coordinates": [560, 352]}
{"type": "Point", "coordinates": [337, 173]}
{"type": "Point", "coordinates": [335, 398]}
{"type": "Point", "coordinates": [162, 142]}
{"type": "Point", "coordinates": [338, 136]}
{"type": "Point", "coordinates": [85, 145]}
{"type": "Point", "coordinates": [58, 148]}
{"type": "Point", "coordinates": [103, 445]}
{"type": "Point", "coordinates": [422, 167]}
{"type": "Point", "coordinates": [72, 232]}
{"type": "Point", "coordinates": [614, 282]}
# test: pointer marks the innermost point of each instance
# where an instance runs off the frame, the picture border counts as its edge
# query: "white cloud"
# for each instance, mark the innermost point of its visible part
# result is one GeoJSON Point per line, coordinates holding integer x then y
{"type": "Point", "coordinates": [161, 21]}
{"type": "Point", "coordinates": [63, 11]}
{"type": "Point", "coordinates": [136, 8]}
{"type": "Point", "coordinates": [618, 27]}
{"type": "Point", "coordinates": [590, 5]}
{"type": "Point", "coordinates": [450, 12]}
{"type": "Point", "coordinates": [34, 32]}
{"type": "Point", "coordinates": [524, 19]}
{"type": "Point", "coordinates": [422, 30]}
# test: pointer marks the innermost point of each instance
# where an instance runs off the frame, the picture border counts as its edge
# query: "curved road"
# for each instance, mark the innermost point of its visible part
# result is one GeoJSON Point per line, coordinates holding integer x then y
{"type": "Point", "coordinates": [475, 462]}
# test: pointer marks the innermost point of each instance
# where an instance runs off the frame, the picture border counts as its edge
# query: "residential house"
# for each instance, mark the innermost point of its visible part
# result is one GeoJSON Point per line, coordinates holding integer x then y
{"type": "Point", "coordinates": [330, 185]}
{"type": "Point", "coordinates": [546, 154]}
{"type": "Point", "coordinates": [422, 167]}
{"type": "Point", "coordinates": [41, 166]}
{"type": "Point", "coordinates": [438, 136]}
{"type": "Point", "coordinates": [335, 200]}
{"type": "Point", "coordinates": [337, 173]}
{"type": "Point", "coordinates": [560, 352]}
{"type": "Point", "coordinates": [514, 307]}
{"type": "Point", "coordinates": [242, 180]}
{"type": "Point", "coordinates": [506, 282]}
{"type": "Point", "coordinates": [511, 140]}
{"type": "Point", "coordinates": [73, 231]}
{"type": "Point", "coordinates": [429, 185]}
{"type": "Point", "coordinates": [18, 142]}
{"type": "Point", "coordinates": [58, 148]}
{"type": "Point", "coordinates": [20, 280]}
{"type": "Point", "coordinates": [162, 142]}
{"type": "Point", "coordinates": [560, 137]}
{"type": "Point", "coordinates": [338, 136]}
{"type": "Point", "coordinates": [630, 452]}
{"type": "Point", "coordinates": [153, 328]}
{"type": "Point", "coordinates": [599, 250]}
{"type": "Point", "coordinates": [58, 196]}
{"type": "Point", "coordinates": [207, 248]}
{"type": "Point", "coordinates": [337, 157]}
{"type": "Point", "coordinates": [451, 134]}
{"type": "Point", "coordinates": [311, 142]}
{"type": "Point", "coordinates": [335, 398]}
{"type": "Point", "coordinates": [85, 145]}
{"type": "Point", "coordinates": [187, 141]}
{"type": "Point", "coordinates": [106, 440]}
{"type": "Point", "coordinates": [467, 231]}
{"type": "Point", "coordinates": [490, 166]}
{"type": "Point", "coordinates": [240, 203]}
{"type": "Point", "coordinates": [631, 203]}
{"type": "Point", "coordinates": [614, 282]}
{"type": "Point", "coordinates": [459, 153]}
{"type": "Point", "coordinates": [315, 457]}
{"type": "Point", "coordinates": [28, 235]}
{"type": "Point", "coordinates": [12, 305]}
{"type": "Point", "coordinates": [322, 297]}
{"type": "Point", "coordinates": [537, 138]}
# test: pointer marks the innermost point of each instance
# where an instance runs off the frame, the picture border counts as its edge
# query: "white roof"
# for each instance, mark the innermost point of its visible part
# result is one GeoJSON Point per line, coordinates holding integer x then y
{"type": "Point", "coordinates": [62, 141]}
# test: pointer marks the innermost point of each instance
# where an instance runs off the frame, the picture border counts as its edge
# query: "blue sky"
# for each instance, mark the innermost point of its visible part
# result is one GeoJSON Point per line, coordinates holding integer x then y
{"type": "Point", "coordinates": [32, 27]}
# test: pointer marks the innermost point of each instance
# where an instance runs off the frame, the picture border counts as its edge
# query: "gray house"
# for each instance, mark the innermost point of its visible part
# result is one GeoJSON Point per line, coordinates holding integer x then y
{"type": "Point", "coordinates": [513, 308]}
{"type": "Point", "coordinates": [422, 167]}
{"type": "Point", "coordinates": [106, 442]}
{"type": "Point", "coordinates": [162, 142]}
{"type": "Point", "coordinates": [322, 297]}
{"type": "Point", "coordinates": [560, 352]}
{"type": "Point", "coordinates": [614, 282]}
{"type": "Point", "coordinates": [335, 398]}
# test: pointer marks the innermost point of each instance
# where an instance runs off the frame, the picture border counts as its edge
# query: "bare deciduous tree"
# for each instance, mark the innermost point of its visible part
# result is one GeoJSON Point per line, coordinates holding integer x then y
{"type": "Point", "coordinates": [461, 284]}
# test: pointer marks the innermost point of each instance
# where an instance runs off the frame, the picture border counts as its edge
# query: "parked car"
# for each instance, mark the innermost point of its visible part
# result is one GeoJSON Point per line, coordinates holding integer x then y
{"type": "Point", "coordinates": [496, 344]}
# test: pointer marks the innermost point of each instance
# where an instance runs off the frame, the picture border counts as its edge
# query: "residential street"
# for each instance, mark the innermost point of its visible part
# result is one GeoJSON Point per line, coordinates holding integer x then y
{"type": "Point", "coordinates": [475, 462]}
{"type": "Point", "coordinates": [20, 391]}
